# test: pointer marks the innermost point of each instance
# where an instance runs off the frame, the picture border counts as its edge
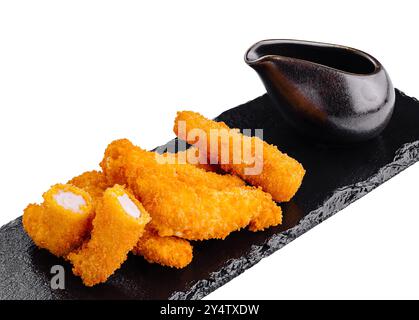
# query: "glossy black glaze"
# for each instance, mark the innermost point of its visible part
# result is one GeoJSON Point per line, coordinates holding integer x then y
{"type": "Point", "coordinates": [336, 176]}
{"type": "Point", "coordinates": [325, 91]}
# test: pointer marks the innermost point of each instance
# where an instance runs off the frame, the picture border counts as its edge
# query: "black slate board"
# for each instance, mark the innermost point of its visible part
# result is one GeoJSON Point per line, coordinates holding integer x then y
{"type": "Point", "coordinates": [336, 176]}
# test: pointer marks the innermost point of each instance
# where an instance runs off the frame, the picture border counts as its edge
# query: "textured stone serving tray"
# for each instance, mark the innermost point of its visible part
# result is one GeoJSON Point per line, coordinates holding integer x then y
{"type": "Point", "coordinates": [336, 176]}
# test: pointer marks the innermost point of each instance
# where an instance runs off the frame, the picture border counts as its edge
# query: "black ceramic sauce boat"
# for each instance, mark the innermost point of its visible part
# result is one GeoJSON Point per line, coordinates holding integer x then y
{"type": "Point", "coordinates": [326, 91]}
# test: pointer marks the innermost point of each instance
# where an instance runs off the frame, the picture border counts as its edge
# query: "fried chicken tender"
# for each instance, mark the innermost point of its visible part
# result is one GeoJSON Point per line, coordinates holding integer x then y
{"type": "Point", "coordinates": [281, 175]}
{"type": "Point", "coordinates": [166, 251]}
{"type": "Point", "coordinates": [93, 182]}
{"type": "Point", "coordinates": [62, 221]}
{"type": "Point", "coordinates": [118, 224]}
{"type": "Point", "coordinates": [185, 201]}
{"type": "Point", "coordinates": [114, 167]}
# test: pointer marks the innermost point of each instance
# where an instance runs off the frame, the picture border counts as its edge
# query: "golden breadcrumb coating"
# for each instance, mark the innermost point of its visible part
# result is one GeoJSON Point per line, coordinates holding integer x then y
{"type": "Point", "coordinates": [166, 251]}
{"type": "Point", "coordinates": [113, 166]}
{"type": "Point", "coordinates": [281, 175]}
{"type": "Point", "coordinates": [55, 228]}
{"type": "Point", "coordinates": [115, 233]}
{"type": "Point", "coordinates": [185, 201]}
{"type": "Point", "coordinates": [192, 156]}
{"type": "Point", "coordinates": [93, 182]}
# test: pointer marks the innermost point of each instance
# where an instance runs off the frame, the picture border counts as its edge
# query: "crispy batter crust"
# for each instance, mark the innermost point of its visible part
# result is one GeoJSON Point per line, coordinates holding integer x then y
{"type": "Point", "coordinates": [185, 201]}
{"type": "Point", "coordinates": [166, 251]}
{"type": "Point", "coordinates": [115, 166]}
{"type": "Point", "coordinates": [57, 229]}
{"type": "Point", "coordinates": [93, 182]}
{"type": "Point", "coordinates": [114, 234]}
{"type": "Point", "coordinates": [192, 156]}
{"type": "Point", "coordinates": [281, 175]}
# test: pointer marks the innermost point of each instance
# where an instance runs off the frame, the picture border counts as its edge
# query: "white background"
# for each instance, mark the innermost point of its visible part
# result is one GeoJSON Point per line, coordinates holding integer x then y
{"type": "Point", "coordinates": [75, 75]}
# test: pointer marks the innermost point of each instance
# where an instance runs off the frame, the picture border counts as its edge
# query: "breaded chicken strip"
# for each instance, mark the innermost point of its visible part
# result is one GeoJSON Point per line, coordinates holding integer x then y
{"type": "Point", "coordinates": [114, 166]}
{"type": "Point", "coordinates": [93, 182]}
{"type": "Point", "coordinates": [118, 224]}
{"type": "Point", "coordinates": [281, 175]}
{"type": "Point", "coordinates": [185, 201]}
{"type": "Point", "coordinates": [62, 222]}
{"type": "Point", "coordinates": [166, 251]}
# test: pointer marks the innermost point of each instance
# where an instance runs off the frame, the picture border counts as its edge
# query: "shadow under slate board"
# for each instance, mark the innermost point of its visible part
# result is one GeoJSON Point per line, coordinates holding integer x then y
{"type": "Point", "coordinates": [336, 176]}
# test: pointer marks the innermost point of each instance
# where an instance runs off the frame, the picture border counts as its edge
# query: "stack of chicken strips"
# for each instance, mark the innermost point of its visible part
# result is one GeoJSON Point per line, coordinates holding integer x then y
{"type": "Point", "coordinates": [153, 204]}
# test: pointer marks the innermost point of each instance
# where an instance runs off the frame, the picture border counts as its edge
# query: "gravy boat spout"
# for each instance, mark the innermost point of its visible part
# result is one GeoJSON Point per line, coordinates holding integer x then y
{"type": "Point", "coordinates": [327, 91]}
